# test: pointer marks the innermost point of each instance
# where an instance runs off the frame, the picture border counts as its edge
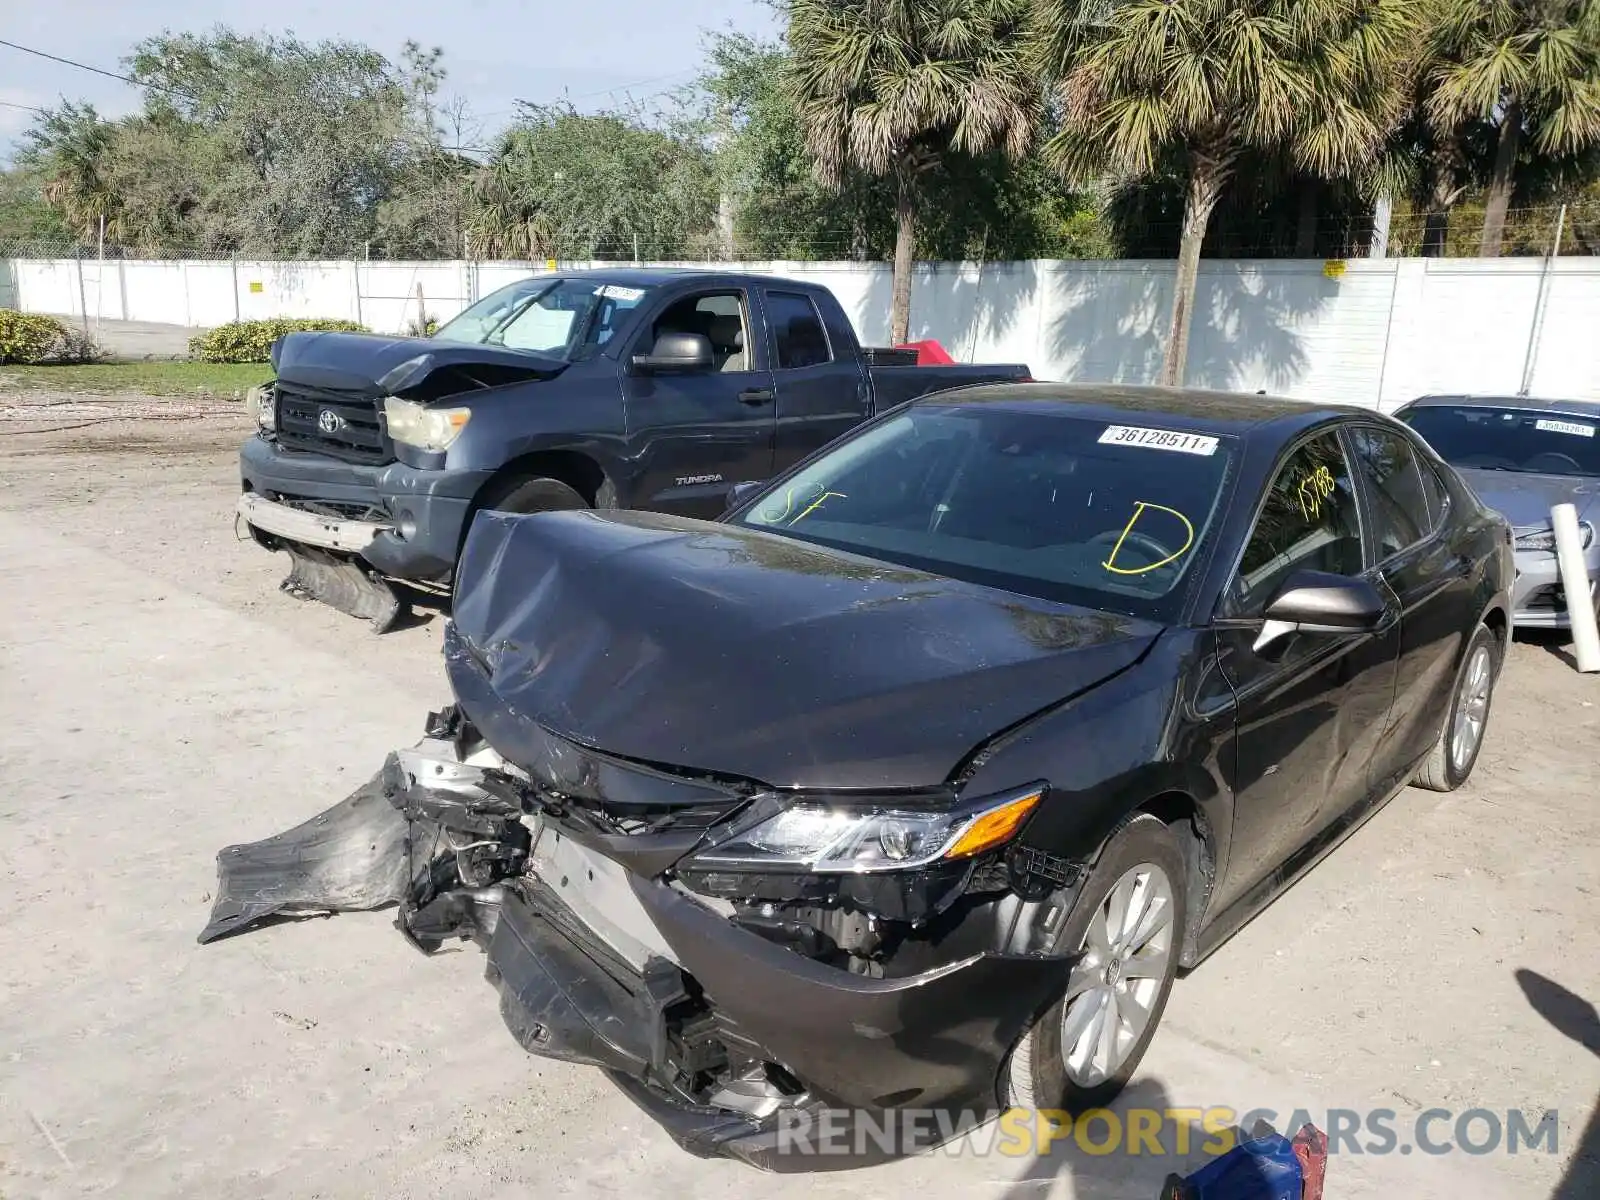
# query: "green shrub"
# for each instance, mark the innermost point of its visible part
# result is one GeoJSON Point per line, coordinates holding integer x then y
{"type": "Point", "coordinates": [251, 341]}
{"type": "Point", "coordinates": [30, 338]}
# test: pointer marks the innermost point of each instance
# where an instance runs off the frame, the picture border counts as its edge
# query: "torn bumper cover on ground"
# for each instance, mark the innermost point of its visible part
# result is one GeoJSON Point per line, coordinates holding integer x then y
{"type": "Point", "coordinates": [710, 1020]}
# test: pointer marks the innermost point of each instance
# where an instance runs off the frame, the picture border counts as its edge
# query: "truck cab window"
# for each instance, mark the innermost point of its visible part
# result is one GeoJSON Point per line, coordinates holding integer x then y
{"type": "Point", "coordinates": [719, 317]}
{"type": "Point", "coordinates": [797, 331]}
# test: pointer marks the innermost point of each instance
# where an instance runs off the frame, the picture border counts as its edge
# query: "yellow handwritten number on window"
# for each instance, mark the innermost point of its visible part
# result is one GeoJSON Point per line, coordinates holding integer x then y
{"type": "Point", "coordinates": [1139, 508]}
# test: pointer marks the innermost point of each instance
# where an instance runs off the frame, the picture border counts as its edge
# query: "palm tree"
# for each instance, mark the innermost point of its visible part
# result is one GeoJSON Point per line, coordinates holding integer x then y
{"type": "Point", "coordinates": [1528, 68]}
{"type": "Point", "coordinates": [891, 87]}
{"type": "Point", "coordinates": [1148, 85]}
{"type": "Point", "coordinates": [71, 146]}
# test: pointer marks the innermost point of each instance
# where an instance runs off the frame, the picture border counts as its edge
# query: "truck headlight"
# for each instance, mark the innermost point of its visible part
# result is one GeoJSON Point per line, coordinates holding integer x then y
{"type": "Point", "coordinates": [816, 836]}
{"type": "Point", "coordinates": [424, 427]}
{"type": "Point", "coordinates": [1546, 540]}
{"type": "Point", "coordinates": [264, 404]}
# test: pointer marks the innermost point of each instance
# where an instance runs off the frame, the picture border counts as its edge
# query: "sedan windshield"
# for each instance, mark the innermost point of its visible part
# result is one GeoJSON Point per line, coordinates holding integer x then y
{"type": "Point", "coordinates": [559, 318]}
{"type": "Point", "coordinates": [1015, 496]}
{"type": "Point", "coordinates": [1509, 439]}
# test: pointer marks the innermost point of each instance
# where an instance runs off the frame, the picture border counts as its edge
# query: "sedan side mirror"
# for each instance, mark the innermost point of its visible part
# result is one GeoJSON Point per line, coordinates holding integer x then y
{"type": "Point", "coordinates": [677, 352]}
{"type": "Point", "coordinates": [740, 492]}
{"type": "Point", "coordinates": [1320, 602]}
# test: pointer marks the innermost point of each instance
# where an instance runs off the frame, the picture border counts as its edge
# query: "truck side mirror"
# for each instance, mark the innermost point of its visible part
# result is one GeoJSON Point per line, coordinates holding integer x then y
{"type": "Point", "coordinates": [676, 352]}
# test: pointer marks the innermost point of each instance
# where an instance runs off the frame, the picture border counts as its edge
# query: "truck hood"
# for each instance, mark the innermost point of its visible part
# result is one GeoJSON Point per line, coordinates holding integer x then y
{"type": "Point", "coordinates": [1525, 500]}
{"type": "Point", "coordinates": [737, 653]}
{"type": "Point", "coordinates": [373, 363]}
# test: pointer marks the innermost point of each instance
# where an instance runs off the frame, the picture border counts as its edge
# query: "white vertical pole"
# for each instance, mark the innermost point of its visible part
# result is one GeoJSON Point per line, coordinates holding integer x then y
{"type": "Point", "coordinates": [1532, 357]}
{"type": "Point", "coordinates": [1575, 583]}
{"type": "Point", "coordinates": [100, 278]}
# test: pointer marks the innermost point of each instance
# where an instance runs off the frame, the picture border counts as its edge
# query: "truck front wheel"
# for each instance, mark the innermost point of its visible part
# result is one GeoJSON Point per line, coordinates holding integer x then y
{"type": "Point", "coordinates": [523, 494]}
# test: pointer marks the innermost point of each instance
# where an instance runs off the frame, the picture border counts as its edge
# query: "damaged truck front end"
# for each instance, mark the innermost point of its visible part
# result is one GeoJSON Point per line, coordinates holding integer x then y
{"type": "Point", "coordinates": [630, 922]}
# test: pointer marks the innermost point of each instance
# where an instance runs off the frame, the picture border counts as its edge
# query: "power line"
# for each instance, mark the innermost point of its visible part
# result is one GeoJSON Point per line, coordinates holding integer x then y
{"type": "Point", "coordinates": [24, 107]}
{"type": "Point", "coordinates": [156, 87]}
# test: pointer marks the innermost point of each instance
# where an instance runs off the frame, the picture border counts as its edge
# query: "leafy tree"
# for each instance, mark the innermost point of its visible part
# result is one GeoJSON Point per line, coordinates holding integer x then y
{"type": "Point", "coordinates": [562, 183]}
{"type": "Point", "coordinates": [893, 87]}
{"type": "Point", "coordinates": [68, 146]}
{"type": "Point", "coordinates": [1147, 83]}
{"type": "Point", "coordinates": [312, 131]}
{"type": "Point", "coordinates": [1527, 69]}
{"type": "Point", "coordinates": [24, 212]}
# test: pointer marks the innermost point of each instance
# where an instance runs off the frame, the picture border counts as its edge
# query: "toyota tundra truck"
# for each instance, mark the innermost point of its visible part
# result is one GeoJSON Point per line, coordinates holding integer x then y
{"type": "Point", "coordinates": [627, 388]}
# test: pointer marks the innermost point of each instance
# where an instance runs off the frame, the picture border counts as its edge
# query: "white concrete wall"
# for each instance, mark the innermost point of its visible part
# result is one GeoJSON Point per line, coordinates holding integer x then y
{"type": "Point", "coordinates": [1379, 334]}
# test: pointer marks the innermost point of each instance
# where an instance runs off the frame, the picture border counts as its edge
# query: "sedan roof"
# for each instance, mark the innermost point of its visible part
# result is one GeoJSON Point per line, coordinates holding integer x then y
{"type": "Point", "coordinates": [1543, 403]}
{"type": "Point", "coordinates": [1187, 409]}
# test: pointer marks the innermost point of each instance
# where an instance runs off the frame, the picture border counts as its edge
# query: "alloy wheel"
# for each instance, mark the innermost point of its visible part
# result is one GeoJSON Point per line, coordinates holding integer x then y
{"type": "Point", "coordinates": [1118, 982]}
{"type": "Point", "coordinates": [1472, 708]}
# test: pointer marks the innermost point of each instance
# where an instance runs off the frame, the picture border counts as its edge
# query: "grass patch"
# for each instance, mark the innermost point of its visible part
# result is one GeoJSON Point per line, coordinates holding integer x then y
{"type": "Point", "coordinates": [149, 378]}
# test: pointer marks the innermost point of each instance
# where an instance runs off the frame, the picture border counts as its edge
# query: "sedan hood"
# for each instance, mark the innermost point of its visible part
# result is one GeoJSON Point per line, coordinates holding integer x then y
{"type": "Point", "coordinates": [739, 653]}
{"type": "Point", "coordinates": [393, 366]}
{"type": "Point", "coordinates": [1525, 500]}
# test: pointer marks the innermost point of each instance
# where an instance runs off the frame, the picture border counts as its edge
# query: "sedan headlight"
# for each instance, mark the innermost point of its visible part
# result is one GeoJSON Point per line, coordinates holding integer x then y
{"type": "Point", "coordinates": [424, 427]}
{"type": "Point", "coordinates": [1546, 540]}
{"type": "Point", "coordinates": [818, 837]}
{"type": "Point", "coordinates": [264, 404]}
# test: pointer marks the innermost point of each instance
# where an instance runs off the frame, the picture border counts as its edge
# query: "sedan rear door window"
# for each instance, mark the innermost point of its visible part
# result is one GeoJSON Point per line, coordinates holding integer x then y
{"type": "Point", "coordinates": [1310, 522]}
{"type": "Point", "coordinates": [1399, 499]}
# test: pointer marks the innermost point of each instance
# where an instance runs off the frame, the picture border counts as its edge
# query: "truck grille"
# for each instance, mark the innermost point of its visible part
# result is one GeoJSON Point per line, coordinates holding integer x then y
{"type": "Point", "coordinates": [357, 431]}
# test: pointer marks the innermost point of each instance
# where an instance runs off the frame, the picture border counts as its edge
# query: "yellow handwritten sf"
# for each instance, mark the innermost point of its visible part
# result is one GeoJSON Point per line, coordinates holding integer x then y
{"type": "Point", "coordinates": [818, 504]}
{"type": "Point", "coordinates": [1138, 511]}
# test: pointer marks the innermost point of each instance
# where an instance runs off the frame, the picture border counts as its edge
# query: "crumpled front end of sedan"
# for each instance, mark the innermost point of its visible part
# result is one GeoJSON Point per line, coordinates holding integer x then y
{"type": "Point", "coordinates": [632, 921]}
{"type": "Point", "coordinates": [707, 850]}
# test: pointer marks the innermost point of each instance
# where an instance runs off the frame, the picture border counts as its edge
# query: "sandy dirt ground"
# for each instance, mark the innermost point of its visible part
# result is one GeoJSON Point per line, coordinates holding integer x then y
{"type": "Point", "coordinates": [160, 698]}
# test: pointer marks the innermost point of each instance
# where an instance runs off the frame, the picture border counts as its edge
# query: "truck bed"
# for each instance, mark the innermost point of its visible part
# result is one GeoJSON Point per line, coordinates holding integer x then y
{"type": "Point", "coordinates": [896, 385]}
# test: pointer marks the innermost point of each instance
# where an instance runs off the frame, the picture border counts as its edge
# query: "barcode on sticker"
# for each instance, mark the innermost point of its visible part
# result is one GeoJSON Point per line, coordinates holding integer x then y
{"type": "Point", "coordinates": [1572, 427]}
{"type": "Point", "coordinates": [615, 291]}
{"type": "Point", "coordinates": [1158, 439]}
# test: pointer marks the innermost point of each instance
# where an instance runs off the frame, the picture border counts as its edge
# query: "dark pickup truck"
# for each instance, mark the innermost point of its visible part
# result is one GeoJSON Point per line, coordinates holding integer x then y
{"type": "Point", "coordinates": [646, 389]}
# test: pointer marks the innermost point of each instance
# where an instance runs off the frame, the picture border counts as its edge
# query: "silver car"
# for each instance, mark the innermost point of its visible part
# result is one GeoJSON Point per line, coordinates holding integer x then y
{"type": "Point", "coordinates": [1524, 456]}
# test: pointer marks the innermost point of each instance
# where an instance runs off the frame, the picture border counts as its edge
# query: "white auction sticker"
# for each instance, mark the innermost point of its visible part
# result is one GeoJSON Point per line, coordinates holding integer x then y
{"type": "Point", "coordinates": [616, 291]}
{"type": "Point", "coordinates": [1571, 427]}
{"type": "Point", "coordinates": [1159, 439]}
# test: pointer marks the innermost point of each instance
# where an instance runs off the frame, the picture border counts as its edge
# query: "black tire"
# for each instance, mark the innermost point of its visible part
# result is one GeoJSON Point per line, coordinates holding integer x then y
{"type": "Point", "coordinates": [521, 495]}
{"type": "Point", "coordinates": [532, 495]}
{"type": "Point", "coordinates": [1036, 1074]}
{"type": "Point", "coordinates": [1441, 772]}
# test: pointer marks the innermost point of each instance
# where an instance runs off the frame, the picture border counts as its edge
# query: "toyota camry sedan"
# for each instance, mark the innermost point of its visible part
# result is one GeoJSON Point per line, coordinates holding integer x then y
{"type": "Point", "coordinates": [915, 779]}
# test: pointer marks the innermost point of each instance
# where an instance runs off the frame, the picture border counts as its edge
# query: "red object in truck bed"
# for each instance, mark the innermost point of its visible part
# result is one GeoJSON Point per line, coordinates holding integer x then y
{"type": "Point", "coordinates": [929, 353]}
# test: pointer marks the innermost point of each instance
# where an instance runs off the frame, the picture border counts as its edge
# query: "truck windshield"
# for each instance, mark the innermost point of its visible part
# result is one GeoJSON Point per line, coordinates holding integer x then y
{"type": "Point", "coordinates": [1492, 438]}
{"type": "Point", "coordinates": [1017, 497]}
{"type": "Point", "coordinates": [559, 318]}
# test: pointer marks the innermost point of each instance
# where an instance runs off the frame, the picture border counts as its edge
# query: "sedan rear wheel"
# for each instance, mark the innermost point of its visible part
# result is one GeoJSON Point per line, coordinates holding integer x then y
{"type": "Point", "coordinates": [1126, 932]}
{"type": "Point", "coordinates": [1454, 755]}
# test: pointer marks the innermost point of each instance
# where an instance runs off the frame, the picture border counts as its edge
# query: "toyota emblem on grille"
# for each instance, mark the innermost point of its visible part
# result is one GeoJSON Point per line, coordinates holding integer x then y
{"type": "Point", "coordinates": [329, 421]}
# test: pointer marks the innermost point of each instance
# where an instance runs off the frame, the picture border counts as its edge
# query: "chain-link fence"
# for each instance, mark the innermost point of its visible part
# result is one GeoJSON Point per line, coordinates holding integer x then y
{"type": "Point", "coordinates": [1528, 232]}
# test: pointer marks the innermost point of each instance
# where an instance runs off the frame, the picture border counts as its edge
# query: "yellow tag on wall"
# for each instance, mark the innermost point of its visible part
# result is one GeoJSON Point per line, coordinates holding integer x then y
{"type": "Point", "coordinates": [549, 264]}
{"type": "Point", "coordinates": [255, 287]}
{"type": "Point", "coordinates": [1333, 268]}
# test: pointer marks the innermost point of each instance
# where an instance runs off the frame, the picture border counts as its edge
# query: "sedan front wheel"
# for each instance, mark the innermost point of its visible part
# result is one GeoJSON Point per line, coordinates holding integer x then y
{"type": "Point", "coordinates": [1126, 933]}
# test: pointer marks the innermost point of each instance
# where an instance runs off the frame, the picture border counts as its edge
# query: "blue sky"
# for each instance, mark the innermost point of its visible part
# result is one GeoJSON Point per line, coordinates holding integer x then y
{"type": "Point", "coordinates": [495, 52]}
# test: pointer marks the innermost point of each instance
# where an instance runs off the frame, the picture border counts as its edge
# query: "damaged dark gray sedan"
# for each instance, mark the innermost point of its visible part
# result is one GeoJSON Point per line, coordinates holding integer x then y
{"type": "Point", "coordinates": [914, 780]}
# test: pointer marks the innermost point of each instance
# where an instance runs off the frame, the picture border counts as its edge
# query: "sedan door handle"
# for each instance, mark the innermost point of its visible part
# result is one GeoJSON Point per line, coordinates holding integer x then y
{"type": "Point", "coordinates": [756, 396]}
